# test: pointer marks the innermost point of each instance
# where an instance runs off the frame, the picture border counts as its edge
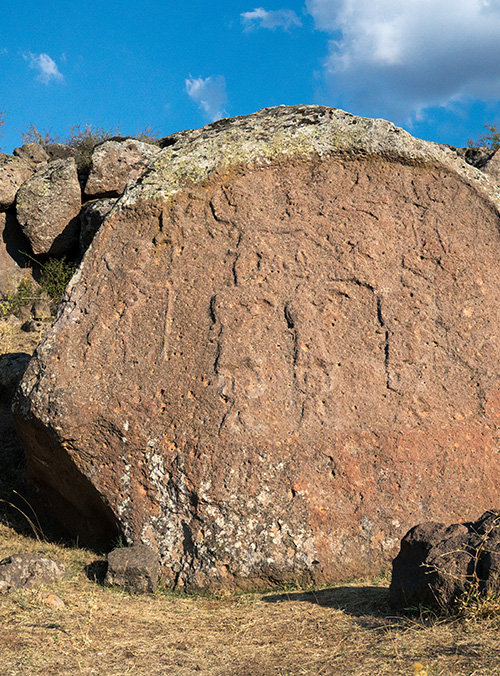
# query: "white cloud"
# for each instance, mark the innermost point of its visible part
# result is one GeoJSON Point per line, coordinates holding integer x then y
{"type": "Point", "coordinates": [209, 94]}
{"type": "Point", "coordinates": [46, 67]}
{"type": "Point", "coordinates": [394, 58]}
{"type": "Point", "coordinates": [281, 18]}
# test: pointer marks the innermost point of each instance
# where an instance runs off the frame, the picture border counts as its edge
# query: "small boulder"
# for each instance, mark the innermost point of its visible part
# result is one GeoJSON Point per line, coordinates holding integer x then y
{"type": "Point", "coordinates": [32, 153]}
{"type": "Point", "coordinates": [92, 216]}
{"type": "Point", "coordinates": [437, 564]}
{"type": "Point", "coordinates": [47, 207]}
{"type": "Point", "coordinates": [13, 173]}
{"type": "Point", "coordinates": [134, 568]}
{"type": "Point", "coordinates": [117, 163]}
{"type": "Point", "coordinates": [25, 571]}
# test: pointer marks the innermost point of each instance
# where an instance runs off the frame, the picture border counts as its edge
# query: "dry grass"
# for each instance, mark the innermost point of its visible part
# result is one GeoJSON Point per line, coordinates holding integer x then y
{"type": "Point", "coordinates": [343, 630]}
{"type": "Point", "coordinates": [347, 629]}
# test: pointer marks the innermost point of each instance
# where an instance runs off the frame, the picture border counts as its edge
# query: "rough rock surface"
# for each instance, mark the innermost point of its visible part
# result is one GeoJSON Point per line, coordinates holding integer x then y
{"type": "Point", "coordinates": [28, 571]}
{"type": "Point", "coordinates": [59, 151]}
{"type": "Point", "coordinates": [116, 163]}
{"type": "Point", "coordinates": [437, 564]}
{"type": "Point", "coordinates": [492, 167]}
{"type": "Point", "coordinates": [91, 217]}
{"type": "Point", "coordinates": [12, 242]}
{"type": "Point", "coordinates": [135, 568]}
{"type": "Point", "coordinates": [47, 207]}
{"type": "Point", "coordinates": [278, 354]}
{"type": "Point", "coordinates": [32, 153]}
{"type": "Point", "coordinates": [13, 173]}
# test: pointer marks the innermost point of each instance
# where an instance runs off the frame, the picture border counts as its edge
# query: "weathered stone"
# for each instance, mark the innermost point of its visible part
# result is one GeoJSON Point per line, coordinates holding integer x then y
{"type": "Point", "coordinates": [279, 353]}
{"type": "Point", "coordinates": [47, 208]}
{"type": "Point", "coordinates": [134, 568]}
{"type": "Point", "coordinates": [12, 367]}
{"type": "Point", "coordinates": [492, 167]}
{"type": "Point", "coordinates": [32, 325]}
{"type": "Point", "coordinates": [13, 173]}
{"type": "Point", "coordinates": [116, 164]}
{"type": "Point", "coordinates": [436, 565]}
{"type": "Point", "coordinates": [32, 153]}
{"type": "Point", "coordinates": [91, 217]}
{"type": "Point", "coordinates": [12, 263]}
{"type": "Point", "coordinates": [60, 151]}
{"type": "Point", "coordinates": [28, 571]}
{"type": "Point", "coordinates": [474, 155]}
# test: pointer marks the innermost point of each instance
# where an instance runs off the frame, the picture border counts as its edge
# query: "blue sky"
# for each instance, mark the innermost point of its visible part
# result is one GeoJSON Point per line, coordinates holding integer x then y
{"type": "Point", "coordinates": [430, 66]}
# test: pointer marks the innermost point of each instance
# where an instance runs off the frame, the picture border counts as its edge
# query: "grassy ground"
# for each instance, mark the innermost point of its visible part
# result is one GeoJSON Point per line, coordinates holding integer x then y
{"type": "Point", "coordinates": [348, 629]}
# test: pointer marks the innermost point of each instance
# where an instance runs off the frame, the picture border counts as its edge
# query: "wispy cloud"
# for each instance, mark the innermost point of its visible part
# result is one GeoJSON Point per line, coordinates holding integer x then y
{"type": "Point", "coordinates": [396, 59]}
{"type": "Point", "coordinates": [46, 67]}
{"type": "Point", "coordinates": [281, 18]}
{"type": "Point", "coordinates": [210, 95]}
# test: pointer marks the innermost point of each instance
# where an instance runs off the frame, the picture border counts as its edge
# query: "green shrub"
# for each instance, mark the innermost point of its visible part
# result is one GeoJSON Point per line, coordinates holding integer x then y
{"type": "Point", "coordinates": [25, 294]}
{"type": "Point", "coordinates": [55, 275]}
{"type": "Point", "coordinates": [489, 140]}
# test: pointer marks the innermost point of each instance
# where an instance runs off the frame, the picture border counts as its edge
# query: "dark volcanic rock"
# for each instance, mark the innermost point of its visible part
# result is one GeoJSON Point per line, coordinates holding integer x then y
{"type": "Point", "coordinates": [437, 565]}
{"type": "Point", "coordinates": [27, 571]}
{"type": "Point", "coordinates": [134, 568]}
{"type": "Point", "coordinates": [278, 354]}
{"type": "Point", "coordinates": [12, 367]}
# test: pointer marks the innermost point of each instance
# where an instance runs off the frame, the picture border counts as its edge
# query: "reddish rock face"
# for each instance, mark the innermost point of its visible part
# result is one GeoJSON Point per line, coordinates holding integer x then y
{"type": "Point", "coordinates": [272, 374]}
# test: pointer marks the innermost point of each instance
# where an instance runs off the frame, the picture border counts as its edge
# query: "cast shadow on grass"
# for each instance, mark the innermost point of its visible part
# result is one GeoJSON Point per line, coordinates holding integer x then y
{"type": "Point", "coordinates": [357, 601]}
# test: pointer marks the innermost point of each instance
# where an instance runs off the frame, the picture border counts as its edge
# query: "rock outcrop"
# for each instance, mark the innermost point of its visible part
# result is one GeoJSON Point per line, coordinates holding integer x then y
{"type": "Point", "coordinates": [279, 353]}
{"type": "Point", "coordinates": [47, 208]}
{"type": "Point", "coordinates": [32, 153]}
{"type": "Point", "coordinates": [439, 566]}
{"type": "Point", "coordinates": [115, 163]}
{"type": "Point", "coordinates": [13, 173]}
{"type": "Point", "coordinates": [26, 571]}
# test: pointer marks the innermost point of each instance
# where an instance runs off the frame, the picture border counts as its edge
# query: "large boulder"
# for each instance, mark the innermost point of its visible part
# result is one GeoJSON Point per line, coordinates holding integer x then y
{"type": "Point", "coordinates": [115, 163]}
{"type": "Point", "coordinates": [13, 173]}
{"type": "Point", "coordinates": [441, 566]}
{"type": "Point", "coordinates": [279, 353]}
{"type": "Point", "coordinates": [48, 206]}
